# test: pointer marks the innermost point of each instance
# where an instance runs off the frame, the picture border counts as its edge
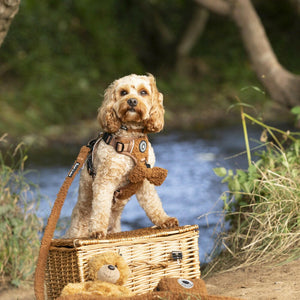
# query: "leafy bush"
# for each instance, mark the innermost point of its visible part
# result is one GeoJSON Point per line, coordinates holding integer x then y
{"type": "Point", "coordinates": [263, 202]}
{"type": "Point", "coordinates": [56, 59]}
{"type": "Point", "coordinates": [19, 225]}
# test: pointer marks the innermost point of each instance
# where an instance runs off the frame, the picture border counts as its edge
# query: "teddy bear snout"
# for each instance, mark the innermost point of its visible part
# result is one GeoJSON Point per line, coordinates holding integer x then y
{"type": "Point", "coordinates": [108, 273]}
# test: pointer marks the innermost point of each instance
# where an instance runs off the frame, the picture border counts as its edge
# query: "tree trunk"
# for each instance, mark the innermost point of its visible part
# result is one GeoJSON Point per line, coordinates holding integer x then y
{"type": "Point", "coordinates": [8, 9]}
{"type": "Point", "coordinates": [193, 32]}
{"type": "Point", "coordinates": [283, 86]}
{"type": "Point", "coordinates": [296, 5]}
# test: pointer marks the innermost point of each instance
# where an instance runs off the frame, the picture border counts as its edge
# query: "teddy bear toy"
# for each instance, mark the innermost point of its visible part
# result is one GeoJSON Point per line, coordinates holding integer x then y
{"type": "Point", "coordinates": [182, 289]}
{"type": "Point", "coordinates": [108, 272]}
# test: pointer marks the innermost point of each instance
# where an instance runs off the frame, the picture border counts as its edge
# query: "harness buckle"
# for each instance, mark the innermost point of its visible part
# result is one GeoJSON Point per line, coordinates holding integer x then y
{"type": "Point", "coordinates": [119, 147]}
{"type": "Point", "coordinates": [107, 137]}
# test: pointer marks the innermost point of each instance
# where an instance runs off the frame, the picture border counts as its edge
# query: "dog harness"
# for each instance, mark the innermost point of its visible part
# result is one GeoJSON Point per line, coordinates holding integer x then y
{"type": "Point", "coordinates": [137, 149]}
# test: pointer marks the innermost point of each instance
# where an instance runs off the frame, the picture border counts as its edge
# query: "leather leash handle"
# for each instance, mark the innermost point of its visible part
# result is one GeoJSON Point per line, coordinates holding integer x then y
{"type": "Point", "coordinates": [52, 221]}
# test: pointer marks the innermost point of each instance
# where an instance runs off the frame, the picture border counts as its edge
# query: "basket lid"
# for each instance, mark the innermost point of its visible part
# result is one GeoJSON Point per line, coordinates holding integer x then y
{"type": "Point", "coordinates": [142, 233]}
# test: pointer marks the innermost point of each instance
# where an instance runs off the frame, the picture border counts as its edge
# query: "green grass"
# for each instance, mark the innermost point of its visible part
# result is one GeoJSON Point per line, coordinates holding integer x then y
{"type": "Point", "coordinates": [19, 225]}
{"type": "Point", "coordinates": [263, 202]}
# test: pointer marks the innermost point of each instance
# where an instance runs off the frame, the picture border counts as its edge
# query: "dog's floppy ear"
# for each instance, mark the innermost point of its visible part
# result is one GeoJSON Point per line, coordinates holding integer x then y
{"type": "Point", "coordinates": [155, 123]}
{"type": "Point", "coordinates": [106, 115]}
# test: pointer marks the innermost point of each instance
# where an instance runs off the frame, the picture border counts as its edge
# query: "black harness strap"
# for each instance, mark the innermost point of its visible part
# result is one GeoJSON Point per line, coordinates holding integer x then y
{"type": "Point", "coordinates": [89, 161]}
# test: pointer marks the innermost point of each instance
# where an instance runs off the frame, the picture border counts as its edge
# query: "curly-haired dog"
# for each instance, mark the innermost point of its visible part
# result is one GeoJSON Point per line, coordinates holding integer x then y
{"type": "Point", "coordinates": [132, 107]}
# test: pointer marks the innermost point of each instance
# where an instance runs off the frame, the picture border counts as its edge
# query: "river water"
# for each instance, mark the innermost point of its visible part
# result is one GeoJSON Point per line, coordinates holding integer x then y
{"type": "Point", "coordinates": [191, 191]}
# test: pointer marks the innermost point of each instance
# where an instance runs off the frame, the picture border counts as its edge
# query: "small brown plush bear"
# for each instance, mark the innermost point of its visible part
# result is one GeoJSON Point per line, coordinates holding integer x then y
{"type": "Point", "coordinates": [141, 171]}
{"type": "Point", "coordinates": [108, 272]}
{"type": "Point", "coordinates": [183, 289]}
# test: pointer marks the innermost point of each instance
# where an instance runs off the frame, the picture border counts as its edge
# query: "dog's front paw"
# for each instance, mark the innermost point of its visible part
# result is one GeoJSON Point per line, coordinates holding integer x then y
{"type": "Point", "coordinates": [98, 234]}
{"type": "Point", "coordinates": [170, 223]}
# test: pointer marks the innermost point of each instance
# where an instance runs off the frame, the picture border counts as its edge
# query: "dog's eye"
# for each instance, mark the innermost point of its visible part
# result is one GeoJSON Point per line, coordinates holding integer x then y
{"type": "Point", "coordinates": [123, 93]}
{"type": "Point", "coordinates": [143, 92]}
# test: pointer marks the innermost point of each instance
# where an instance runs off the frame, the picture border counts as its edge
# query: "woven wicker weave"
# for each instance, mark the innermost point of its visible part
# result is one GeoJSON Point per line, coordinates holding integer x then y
{"type": "Point", "coordinates": [148, 253]}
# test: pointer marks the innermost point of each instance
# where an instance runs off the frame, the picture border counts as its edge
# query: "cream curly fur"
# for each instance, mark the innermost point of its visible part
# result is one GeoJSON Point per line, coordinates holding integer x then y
{"type": "Point", "coordinates": [95, 214]}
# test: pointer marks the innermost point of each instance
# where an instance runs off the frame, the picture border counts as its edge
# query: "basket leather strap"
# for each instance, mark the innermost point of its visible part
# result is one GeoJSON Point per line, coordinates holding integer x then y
{"type": "Point", "coordinates": [52, 221]}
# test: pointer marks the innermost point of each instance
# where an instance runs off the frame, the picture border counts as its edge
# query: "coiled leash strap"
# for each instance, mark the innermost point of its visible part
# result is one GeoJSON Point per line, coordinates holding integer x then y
{"type": "Point", "coordinates": [52, 221]}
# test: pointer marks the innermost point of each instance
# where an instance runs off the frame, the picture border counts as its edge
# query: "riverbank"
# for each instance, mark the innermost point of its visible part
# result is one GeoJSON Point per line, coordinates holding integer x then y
{"type": "Point", "coordinates": [201, 120]}
{"type": "Point", "coordinates": [263, 282]}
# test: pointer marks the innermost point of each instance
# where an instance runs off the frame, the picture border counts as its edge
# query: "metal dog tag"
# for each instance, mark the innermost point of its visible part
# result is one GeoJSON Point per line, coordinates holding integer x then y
{"type": "Point", "coordinates": [143, 146]}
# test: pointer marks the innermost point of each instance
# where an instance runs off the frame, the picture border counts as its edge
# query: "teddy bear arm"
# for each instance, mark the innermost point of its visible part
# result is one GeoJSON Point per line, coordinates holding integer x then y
{"type": "Point", "coordinates": [138, 173]}
{"type": "Point", "coordinates": [73, 288]}
{"type": "Point", "coordinates": [158, 176]}
{"type": "Point", "coordinates": [108, 289]}
{"type": "Point", "coordinates": [125, 291]}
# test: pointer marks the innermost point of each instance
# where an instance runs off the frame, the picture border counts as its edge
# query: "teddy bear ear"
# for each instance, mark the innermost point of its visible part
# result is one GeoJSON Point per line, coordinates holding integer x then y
{"type": "Point", "coordinates": [123, 269]}
{"type": "Point", "coordinates": [95, 264]}
{"type": "Point", "coordinates": [97, 261]}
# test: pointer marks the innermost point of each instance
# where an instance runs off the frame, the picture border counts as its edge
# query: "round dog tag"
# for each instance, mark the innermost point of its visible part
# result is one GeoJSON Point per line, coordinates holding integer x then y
{"type": "Point", "coordinates": [185, 283]}
{"type": "Point", "coordinates": [143, 146]}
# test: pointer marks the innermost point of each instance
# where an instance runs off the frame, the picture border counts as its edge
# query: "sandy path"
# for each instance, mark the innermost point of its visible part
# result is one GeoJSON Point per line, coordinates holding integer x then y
{"type": "Point", "coordinates": [258, 283]}
{"type": "Point", "coordinates": [253, 283]}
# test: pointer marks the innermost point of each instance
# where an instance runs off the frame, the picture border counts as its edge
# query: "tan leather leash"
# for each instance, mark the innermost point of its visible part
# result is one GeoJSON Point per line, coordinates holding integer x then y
{"type": "Point", "coordinates": [52, 221]}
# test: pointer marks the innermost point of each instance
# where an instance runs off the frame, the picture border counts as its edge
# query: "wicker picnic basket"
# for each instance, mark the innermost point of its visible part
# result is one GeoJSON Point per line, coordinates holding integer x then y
{"type": "Point", "coordinates": [151, 253]}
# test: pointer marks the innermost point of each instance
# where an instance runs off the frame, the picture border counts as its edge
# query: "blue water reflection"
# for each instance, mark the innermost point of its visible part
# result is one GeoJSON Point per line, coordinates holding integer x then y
{"type": "Point", "coordinates": [190, 190]}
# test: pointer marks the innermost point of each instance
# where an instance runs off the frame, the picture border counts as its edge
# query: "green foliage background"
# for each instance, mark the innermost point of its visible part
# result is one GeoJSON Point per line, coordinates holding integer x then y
{"type": "Point", "coordinates": [59, 56]}
{"type": "Point", "coordinates": [19, 226]}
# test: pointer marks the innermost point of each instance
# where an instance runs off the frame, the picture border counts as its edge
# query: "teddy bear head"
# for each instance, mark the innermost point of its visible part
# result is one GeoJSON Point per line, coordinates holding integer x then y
{"type": "Point", "coordinates": [109, 267]}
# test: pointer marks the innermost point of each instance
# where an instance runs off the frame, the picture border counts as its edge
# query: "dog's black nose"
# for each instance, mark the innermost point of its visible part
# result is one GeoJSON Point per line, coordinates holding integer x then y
{"type": "Point", "coordinates": [132, 102]}
{"type": "Point", "coordinates": [111, 267]}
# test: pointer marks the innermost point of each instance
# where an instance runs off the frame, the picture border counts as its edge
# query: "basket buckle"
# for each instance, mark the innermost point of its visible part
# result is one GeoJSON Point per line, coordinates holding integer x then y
{"type": "Point", "coordinates": [177, 255]}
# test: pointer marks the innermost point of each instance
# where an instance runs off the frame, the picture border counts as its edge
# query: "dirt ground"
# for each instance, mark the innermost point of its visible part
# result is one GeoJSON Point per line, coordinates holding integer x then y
{"type": "Point", "coordinates": [265, 282]}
